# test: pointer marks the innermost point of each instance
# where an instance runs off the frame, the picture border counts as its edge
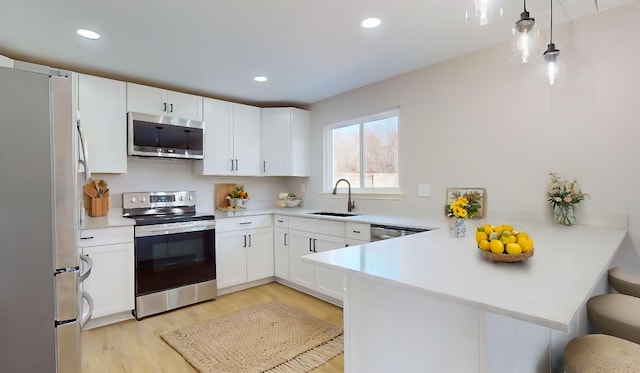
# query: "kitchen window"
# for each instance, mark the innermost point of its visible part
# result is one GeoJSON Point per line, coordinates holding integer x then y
{"type": "Point", "coordinates": [365, 152]}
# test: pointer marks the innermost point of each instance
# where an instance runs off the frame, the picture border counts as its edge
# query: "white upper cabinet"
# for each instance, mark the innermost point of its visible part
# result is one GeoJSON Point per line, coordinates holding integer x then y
{"type": "Point", "coordinates": [232, 139]}
{"type": "Point", "coordinates": [157, 101]}
{"type": "Point", "coordinates": [102, 111]}
{"type": "Point", "coordinates": [285, 142]}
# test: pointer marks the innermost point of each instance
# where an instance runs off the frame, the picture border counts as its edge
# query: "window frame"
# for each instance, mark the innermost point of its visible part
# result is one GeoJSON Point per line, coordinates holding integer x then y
{"type": "Point", "coordinates": [361, 192]}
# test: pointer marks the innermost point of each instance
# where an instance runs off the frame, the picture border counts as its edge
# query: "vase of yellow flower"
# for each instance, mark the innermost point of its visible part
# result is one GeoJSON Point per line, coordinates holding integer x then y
{"type": "Point", "coordinates": [458, 210]}
{"type": "Point", "coordinates": [563, 196]}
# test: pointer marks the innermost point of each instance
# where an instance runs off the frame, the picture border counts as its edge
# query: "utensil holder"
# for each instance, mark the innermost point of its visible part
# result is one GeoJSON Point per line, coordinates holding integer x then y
{"type": "Point", "coordinates": [99, 206]}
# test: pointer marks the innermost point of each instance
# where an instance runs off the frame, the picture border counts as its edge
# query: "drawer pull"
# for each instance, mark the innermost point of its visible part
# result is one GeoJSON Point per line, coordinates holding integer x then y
{"type": "Point", "coordinates": [87, 238]}
{"type": "Point", "coordinates": [356, 232]}
{"type": "Point", "coordinates": [246, 222]}
{"type": "Point", "coordinates": [280, 221]}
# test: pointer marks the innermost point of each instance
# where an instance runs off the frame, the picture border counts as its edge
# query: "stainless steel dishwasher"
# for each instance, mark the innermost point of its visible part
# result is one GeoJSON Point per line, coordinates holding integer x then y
{"type": "Point", "coordinates": [384, 232]}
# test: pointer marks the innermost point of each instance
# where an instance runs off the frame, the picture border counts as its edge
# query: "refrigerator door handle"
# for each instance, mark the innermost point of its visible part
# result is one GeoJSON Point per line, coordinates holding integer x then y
{"type": "Point", "coordinates": [86, 317]}
{"type": "Point", "coordinates": [87, 269]}
{"type": "Point", "coordinates": [85, 153]}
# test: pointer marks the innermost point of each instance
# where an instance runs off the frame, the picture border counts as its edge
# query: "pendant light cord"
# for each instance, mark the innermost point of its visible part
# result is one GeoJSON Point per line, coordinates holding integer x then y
{"type": "Point", "coordinates": [551, 28]}
{"type": "Point", "coordinates": [525, 5]}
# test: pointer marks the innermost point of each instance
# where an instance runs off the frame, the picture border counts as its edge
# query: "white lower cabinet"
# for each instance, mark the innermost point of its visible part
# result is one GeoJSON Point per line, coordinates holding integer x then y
{"type": "Point", "coordinates": [111, 283]}
{"type": "Point", "coordinates": [242, 254]}
{"type": "Point", "coordinates": [281, 246]}
{"type": "Point", "coordinates": [323, 280]}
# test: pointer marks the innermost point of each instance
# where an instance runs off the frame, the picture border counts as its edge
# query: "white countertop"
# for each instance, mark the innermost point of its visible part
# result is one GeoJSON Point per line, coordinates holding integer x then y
{"type": "Point", "coordinates": [408, 221]}
{"type": "Point", "coordinates": [113, 219]}
{"type": "Point", "coordinates": [547, 289]}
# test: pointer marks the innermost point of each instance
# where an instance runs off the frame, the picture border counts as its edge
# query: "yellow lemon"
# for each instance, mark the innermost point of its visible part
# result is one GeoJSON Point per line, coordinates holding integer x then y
{"type": "Point", "coordinates": [522, 234]}
{"type": "Point", "coordinates": [508, 239]}
{"type": "Point", "coordinates": [527, 246]}
{"type": "Point", "coordinates": [505, 233]}
{"type": "Point", "coordinates": [507, 227]}
{"type": "Point", "coordinates": [499, 229]}
{"type": "Point", "coordinates": [496, 247]}
{"type": "Point", "coordinates": [483, 245]}
{"type": "Point", "coordinates": [514, 249]}
{"type": "Point", "coordinates": [521, 239]}
{"type": "Point", "coordinates": [488, 229]}
{"type": "Point", "coordinates": [481, 236]}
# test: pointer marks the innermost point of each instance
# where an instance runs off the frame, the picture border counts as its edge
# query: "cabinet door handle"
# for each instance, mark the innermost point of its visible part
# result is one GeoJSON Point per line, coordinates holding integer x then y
{"type": "Point", "coordinates": [165, 107]}
{"type": "Point", "coordinates": [236, 165]}
{"type": "Point", "coordinates": [284, 238]}
{"type": "Point", "coordinates": [250, 237]}
{"type": "Point", "coordinates": [314, 245]}
{"type": "Point", "coordinates": [171, 110]}
{"type": "Point", "coordinates": [232, 165]}
{"type": "Point", "coordinates": [310, 249]}
{"type": "Point", "coordinates": [264, 166]}
{"type": "Point", "coordinates": [245, 240]}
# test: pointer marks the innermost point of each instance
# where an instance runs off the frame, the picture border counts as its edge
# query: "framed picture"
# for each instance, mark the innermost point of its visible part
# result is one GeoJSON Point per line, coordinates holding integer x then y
{"type": "Point", "coordinates": [476, 197]}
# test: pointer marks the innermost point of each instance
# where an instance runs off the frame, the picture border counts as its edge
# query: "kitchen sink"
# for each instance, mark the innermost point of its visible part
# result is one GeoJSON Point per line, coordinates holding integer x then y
{"type": "Point", "coordinates": [338, 214]}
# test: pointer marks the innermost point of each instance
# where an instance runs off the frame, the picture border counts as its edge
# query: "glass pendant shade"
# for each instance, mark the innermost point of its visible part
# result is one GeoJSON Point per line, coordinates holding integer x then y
{"type": "Point", "coordinates": [524, 40]}
{"type": "Point", "coordinates": [524, 45]}
{"type": "Point", "coordinates": [552, 63]}
{"type": "Point", "coordinates": [481, 12]}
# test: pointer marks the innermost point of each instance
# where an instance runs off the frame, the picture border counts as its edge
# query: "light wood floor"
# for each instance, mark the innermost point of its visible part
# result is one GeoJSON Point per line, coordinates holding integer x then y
{"type": "Point", "coordinates": [136, 346]}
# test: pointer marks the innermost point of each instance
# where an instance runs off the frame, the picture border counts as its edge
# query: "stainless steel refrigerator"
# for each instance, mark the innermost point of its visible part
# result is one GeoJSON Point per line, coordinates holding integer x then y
{"type": "Point", "coordinates": [40, 300]}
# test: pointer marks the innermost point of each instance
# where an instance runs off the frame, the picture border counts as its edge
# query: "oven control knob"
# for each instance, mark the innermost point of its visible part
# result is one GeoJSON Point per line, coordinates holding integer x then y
{"type": "Point", "coordinates": [190, 197]}
{"type": "Point", "coordinates": [143, 199]}
{"type": "Point", "coordinates": [181, 198]}
{"type": "Point", "coordinates": [133, 200]}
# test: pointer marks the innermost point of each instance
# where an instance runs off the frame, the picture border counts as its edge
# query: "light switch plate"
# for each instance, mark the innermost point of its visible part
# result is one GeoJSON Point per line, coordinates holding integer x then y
{"type": "Point", "coordinates": [424, 190]}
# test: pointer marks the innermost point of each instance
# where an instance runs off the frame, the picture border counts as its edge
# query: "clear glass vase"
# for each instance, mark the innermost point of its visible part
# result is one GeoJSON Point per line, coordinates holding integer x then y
{"type": "Point", "coordinates": [564, 214]}
{"type": "Point", "coordinates": [458, 227]}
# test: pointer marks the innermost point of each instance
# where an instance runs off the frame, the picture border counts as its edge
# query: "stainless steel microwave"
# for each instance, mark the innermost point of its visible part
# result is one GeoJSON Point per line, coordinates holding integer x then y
{"type": "Point", "coordinates": [164, 137]}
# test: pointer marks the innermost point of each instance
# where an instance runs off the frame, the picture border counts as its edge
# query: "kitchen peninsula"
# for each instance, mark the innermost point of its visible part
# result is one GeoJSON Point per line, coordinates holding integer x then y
{"type": "Point", "coordinates": [431, 302]}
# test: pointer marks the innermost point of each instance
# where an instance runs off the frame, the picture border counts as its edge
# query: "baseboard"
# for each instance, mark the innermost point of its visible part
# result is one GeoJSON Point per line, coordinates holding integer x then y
{"type": "Point", "coordinates": [248, 285]}
{"type": "Point", "coordinates": [106, 320]}
{"type": "Point", "coordinates": [311, 292]}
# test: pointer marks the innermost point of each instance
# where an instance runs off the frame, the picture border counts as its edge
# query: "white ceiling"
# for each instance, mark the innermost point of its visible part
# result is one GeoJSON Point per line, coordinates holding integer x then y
{"type": "Point", "coordinates": [310, 50]}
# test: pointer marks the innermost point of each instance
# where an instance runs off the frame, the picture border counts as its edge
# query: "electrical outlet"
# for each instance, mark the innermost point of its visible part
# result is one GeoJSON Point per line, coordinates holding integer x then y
{"type": "Point", "coordinates": [424, 190]}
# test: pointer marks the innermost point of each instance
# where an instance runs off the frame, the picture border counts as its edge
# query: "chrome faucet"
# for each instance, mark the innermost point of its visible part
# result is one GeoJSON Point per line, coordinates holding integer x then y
{"type": "Point", "coordinates": [350, 204]}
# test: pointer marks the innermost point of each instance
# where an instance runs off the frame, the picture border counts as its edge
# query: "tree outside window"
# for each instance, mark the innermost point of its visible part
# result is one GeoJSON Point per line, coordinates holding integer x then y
{"type": "Point", "coordinates": [365, 152]}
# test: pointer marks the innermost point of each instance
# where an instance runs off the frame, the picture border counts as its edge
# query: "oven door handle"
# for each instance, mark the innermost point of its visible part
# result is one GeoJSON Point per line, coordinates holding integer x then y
{"type": "Point", "coordinates": [164, 229]}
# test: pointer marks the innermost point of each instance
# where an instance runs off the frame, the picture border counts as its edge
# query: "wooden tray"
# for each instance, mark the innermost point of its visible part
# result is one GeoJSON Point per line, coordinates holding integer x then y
{"type": "Point", "coordinates": [506, 258]}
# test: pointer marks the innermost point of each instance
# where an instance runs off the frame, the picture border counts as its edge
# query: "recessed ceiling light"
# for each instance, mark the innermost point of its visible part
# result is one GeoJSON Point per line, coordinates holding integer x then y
{"type": "Point", "coordinates": [371, 22]}
{"type": "Point", "coordinates": [88, 34]}
{"type": "Point", "coordinates": [260, 78]}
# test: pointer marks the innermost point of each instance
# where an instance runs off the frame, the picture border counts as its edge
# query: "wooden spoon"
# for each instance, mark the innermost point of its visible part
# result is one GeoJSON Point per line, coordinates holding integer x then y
{"type": "Point", "coordinates": [90, 190]}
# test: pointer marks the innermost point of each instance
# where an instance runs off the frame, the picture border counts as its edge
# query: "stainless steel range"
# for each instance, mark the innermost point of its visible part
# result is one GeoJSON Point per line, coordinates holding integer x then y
{"type": "Point", "coordinates": [174, 251]}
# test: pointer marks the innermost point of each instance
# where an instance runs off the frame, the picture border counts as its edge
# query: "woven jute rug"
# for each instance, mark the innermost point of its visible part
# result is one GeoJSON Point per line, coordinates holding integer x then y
{"type": "Point", "coordinates": [272, 337]}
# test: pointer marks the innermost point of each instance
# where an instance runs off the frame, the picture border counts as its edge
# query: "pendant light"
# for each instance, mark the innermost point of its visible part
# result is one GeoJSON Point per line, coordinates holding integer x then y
{"type": "Point", "coordinates": [551, 55]}
{"type": "Point", "coordinates": [524, 44]}
{"type": "Point", "coordinates": [482, 12]}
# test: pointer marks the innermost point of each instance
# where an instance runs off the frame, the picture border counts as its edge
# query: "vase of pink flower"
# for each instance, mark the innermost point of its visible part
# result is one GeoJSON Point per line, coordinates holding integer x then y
{"type": "Point", "coordinates": [563, 195]}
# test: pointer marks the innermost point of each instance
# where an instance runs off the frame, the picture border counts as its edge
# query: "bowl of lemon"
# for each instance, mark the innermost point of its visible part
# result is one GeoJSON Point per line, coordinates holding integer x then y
{"type": "Point", "coordinates": [502, 243]}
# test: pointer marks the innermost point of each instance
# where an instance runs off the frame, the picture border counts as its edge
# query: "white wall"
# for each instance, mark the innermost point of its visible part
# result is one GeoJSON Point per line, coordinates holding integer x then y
{"type": "Point", "coordinates": [145, 175]}
{"type": "Point", "coordinates": [481, 121]}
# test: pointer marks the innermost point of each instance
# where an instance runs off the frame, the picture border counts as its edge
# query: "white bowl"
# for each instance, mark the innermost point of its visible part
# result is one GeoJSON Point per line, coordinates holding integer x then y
{"type": "Point", "coordinates": [292, 202]}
